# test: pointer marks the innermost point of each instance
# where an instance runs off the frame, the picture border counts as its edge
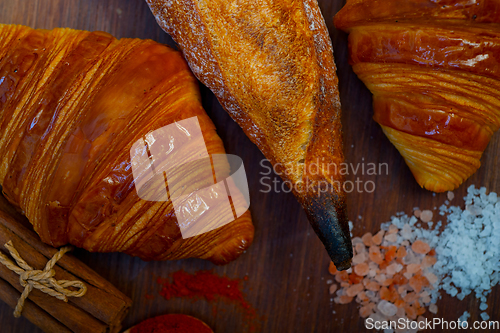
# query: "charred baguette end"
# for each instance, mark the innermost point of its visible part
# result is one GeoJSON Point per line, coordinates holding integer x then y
{"type": "Point", "coordinates": [328, 217]}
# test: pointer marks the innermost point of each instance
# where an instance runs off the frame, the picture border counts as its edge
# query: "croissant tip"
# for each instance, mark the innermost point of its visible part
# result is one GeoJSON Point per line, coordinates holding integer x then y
{"type": "Point", "coordinates": [430, 183]}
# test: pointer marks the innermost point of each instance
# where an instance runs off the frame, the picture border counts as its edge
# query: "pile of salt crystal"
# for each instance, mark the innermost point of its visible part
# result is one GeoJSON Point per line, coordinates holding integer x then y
{"type": "Point", "coordinates": [468, 257]}
{"type": "Point", "coordinates": [391, 278]}
{"type": "Point", "coordinates": [469, 250]}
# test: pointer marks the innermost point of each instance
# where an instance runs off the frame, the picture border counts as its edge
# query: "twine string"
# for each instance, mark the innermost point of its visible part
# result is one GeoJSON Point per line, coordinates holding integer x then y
{"type": "Point", "coordinates": [42, 280]}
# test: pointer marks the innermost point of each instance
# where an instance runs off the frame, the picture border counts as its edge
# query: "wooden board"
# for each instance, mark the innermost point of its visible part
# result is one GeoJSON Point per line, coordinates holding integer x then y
{"type": "Point", "coordinates": [286, 265]}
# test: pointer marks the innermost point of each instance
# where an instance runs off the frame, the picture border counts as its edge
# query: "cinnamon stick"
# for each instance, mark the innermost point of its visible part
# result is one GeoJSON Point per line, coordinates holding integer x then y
{"type": "Point", "coordinates": [30, 310]}
{"type": "Point", "coordinates": [101, 309]}
{"type": "Point", "coordinates": [76, 319]}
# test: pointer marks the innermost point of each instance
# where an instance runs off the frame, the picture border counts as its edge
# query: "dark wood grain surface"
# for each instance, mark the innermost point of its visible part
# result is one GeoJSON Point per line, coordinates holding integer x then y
{"type": "Point", "coordinates": [286, 265]}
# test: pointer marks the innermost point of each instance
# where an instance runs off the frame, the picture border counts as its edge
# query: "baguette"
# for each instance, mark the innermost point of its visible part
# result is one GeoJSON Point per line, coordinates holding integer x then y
{"type": "Point", "coordinates": [270, 64]}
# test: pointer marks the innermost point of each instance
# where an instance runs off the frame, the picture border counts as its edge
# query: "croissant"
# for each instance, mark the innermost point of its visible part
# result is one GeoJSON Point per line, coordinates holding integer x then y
{"type": "Point", "coordinates": [72, 104]}
{"type": "Point", "coordinates": [433, 68]}
{"type": "Point", "coordinates": [270, 64]}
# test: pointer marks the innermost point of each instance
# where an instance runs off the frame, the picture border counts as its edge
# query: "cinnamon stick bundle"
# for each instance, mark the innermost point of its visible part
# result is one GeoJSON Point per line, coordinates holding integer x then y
{"type": "Point", "coordinates": [101, 309]}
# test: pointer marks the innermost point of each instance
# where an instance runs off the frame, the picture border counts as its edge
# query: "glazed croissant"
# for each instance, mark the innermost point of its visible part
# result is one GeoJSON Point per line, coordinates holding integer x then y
{"type": "Point", "coordinates": [270, 64]}
{"type": "Point", "coordinates": [434, 70]}
{"type": "Point", "coordinates": [72, 104]}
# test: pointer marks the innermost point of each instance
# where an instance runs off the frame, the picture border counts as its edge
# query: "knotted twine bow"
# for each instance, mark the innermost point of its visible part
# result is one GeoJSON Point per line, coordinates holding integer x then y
{"type": "Point", "coordinates": [42, 280]}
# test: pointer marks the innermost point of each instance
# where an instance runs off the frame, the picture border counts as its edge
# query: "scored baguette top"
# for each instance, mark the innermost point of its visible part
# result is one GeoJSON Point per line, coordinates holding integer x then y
{"type": "Point", "coordinates": [72, 104]}
{"type": "Point", "coordinates": [271, 68]}
{"type": "Point", "coordinates": [270, 64]}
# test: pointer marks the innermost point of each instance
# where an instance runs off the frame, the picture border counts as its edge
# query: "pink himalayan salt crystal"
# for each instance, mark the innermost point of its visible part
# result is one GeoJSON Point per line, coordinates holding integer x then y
{"type": "Point", "coordinates": [417, 282]}
{"type": "Point", "coordinates": [343, 299]}
{"type": "Point", "coordinates": [372, 285]}
{"type": "Point", "coordinates": [358, 259]}
{"type": "Point", "coordinates": [365, 311]}
{"type": "Point", "coordinates": [392, 229]}
{"type": "Point", "coordinates": [387, 282]}
{"type": "Point", "coordinates": [380, 278]}
{"type": "Point", "coordinates": [413, 268]}
{"type": "Point", "coordinates": [367, 239]}
{"type": "Point", "coordinates": [420, 247]}
{"type": "Point", "coordinates": [374, 249]}
{"type": "Point", "coordinates": [450, 195]}
{"type": "Point", "coordinates": [433, 308]}
{"type": "Point", "coordinates": [402, 288]}
{"type": "Point", "coordinates": [474, 210]}
{"type": "Point", "coordinates": [377, 257]}
{"type": "Point", "coordinates": [431, 277]}
{"type": "Point", "coordinates": [426, 216]}
{"type": "Point", "coordinates": [426, 299]}
{"type": "Point", "coordinates": [417, 213]}
{"type": "Point", "coordinates": [401, 253]}
{"type": "Point", "coordinates": [371, 305]}
{"type": "Point", "coordinates": [361, 269]}
{"type": "Point", "coordinates": [333, 289]}
{"type": "Point", "coordinates": [362, 296]}
{"type": "Point", "coordinates": [354, 289]}
{"type": "Point", "coordinates": [360, 248]}
{"type": "Point", "coordinates": [356, 240]}
{"type": "Point", "coordinates": [428, 261]}
{"type": "Point", "coordinates": [393, 268]}
{"type": "Point", "coordinates": [411, 297]}
{"type": "Point", "coordinates": [373, 265]}
{"type": "Point", "coordinates": [375, 254]}
{"type": "Point", "coordinates": [377, 239]}
{"type": "Point", "coordinates": [393, 238]}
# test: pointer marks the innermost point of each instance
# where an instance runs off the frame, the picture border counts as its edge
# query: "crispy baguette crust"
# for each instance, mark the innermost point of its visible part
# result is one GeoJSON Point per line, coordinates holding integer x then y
{"type": "Point", "coordinates": [434, 70]}
{"type": "Point", "coordinates": [72, 103]}
{"type": "Point", "coordinates": [270, 64]}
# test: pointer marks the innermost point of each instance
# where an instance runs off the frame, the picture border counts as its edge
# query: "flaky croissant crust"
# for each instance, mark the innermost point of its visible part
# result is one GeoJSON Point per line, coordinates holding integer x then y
{"type": "Point", "coordinates": [434, 70]}
{"type": "Point", "coordinates": [72, 103]}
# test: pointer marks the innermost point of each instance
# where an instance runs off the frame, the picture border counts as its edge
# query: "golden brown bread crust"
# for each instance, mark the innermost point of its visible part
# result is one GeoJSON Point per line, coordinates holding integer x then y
{"type": "Point", "coordinates": [72, 103]}
{"type": "Point", "coordinates": [357, 12]}
{"type": "Point", "coordinates": [434, 71]}
{"type": "Point", "coordinates": [270, 64]}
